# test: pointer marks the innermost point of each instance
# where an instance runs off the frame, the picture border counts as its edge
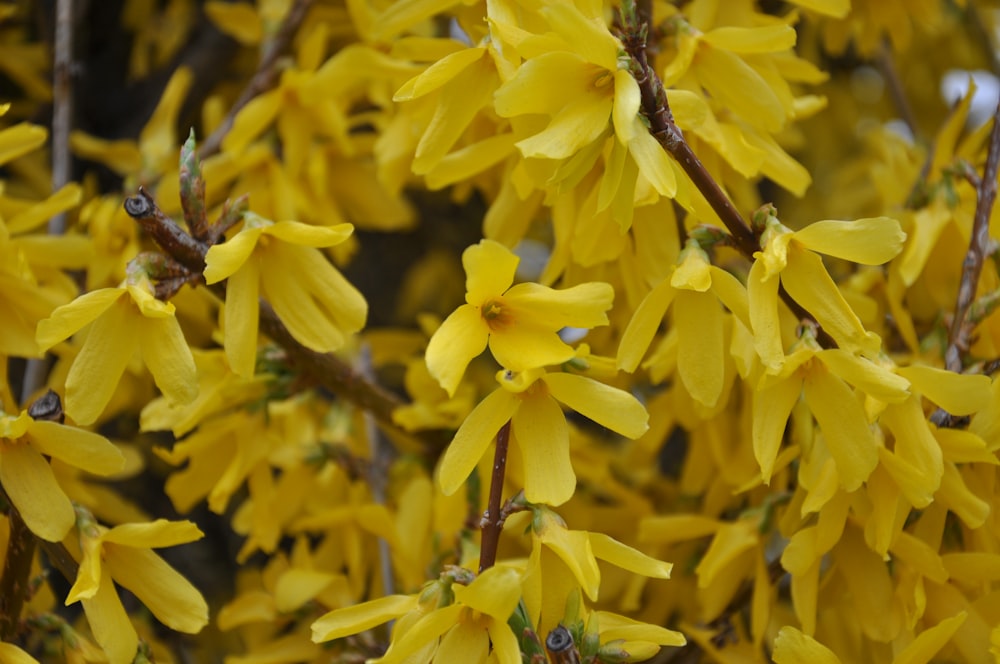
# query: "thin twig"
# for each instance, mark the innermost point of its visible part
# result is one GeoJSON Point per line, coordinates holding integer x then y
{"type": "Point", "coordinates": [492, 523]}
{"type": "Point", "coordinates": [15, 584]}
{"type": "Point", "coordinates": [979, 242]}
{"type": "Point", "coordinates": [894, 85]}
{"type": "Point", "coordinates": [265, 78]}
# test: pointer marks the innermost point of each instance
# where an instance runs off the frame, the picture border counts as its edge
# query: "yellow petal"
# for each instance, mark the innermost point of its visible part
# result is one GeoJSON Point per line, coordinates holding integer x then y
{"type": "Point", "coordinates": [730, 542]}
{"type": "Point", "coordinates": [700, 345]}
{"type": "Point", "coordinates": [959, 394]}
{"type": "Point", "coordinates": [523, 346]}
{"type": "Point", "coordinates": [438, 74]}
{"type": "Point", "coordinates": [361, 617]}
{"type": "Point", "coordinates": [917, 447]}
{"type": "Point", "coordinates": [614, 627]}
{"type": "Point", "coordinates": [489, 269]}
{"type": "Point", "coordinates": [98, 367]}
{"type": "Point", "coordinates": [608, 406]}
{"type": "Point", "coordinates": [772, 407]}
{"type": "Point", "coordinates": [242, 311]}
{"type": "Point", "coordinates": [155, 534]}
{"type": "Point", "coordinates": [495, 592]}
{"type": "Point", "coordinates": [763, 299]}
{"type": "Point", "coordinates": [295, 232]}
{"type": "Point", "coordinates": [252, 120]}
{"type": "Point", "coordinates": [68, 319]}
{"type": "Point", "coordinates": [425, 631]}
{"type": "Point", "coordinates": [764, 39]}
{"type": "Point", "coordinates": [845, 428]}
{"type": "Point", "coordinates": [809, 284]}
{"type": "Point", "coordinates": [643, 326]}
{"type": "Point", "coordinates": [793, 647]}
{"type": "Point", "coordinates": [32, 487]}
{"type": "Point", "coordinates": [222, 260]}
{"type": "Point", "coordinates": [462, 336]}
{"type": "Point", "coordinates": [574, 549]}
{"type": "Point", "coordinates": [653, 162]}
{"type": "Point", "coordinates": [626, 106]}
{"type": "Point", "coordinates": [865, 375]}
{"type": "Point", "coordinates": [542, 436]}
{"type": "Point", "coordinates": [236, 19]}
{"type": "Point", "coordinates": [467, 641]}
{"type": "Point", "coordinates": [19, 140]}
{"type": "Point", "coordinates": [110, 624]}
{"type": "Point", "coordinates": [171, 598]}
{"type": "Point", "coordinates": [166, 353]}
{"type": "Point", "coordinates": [575, 126]}
{"type": "Point", "coordinates": [473, 437]}
{"type": "Point", "coordinates": [82, 449]}
{"type": "Point", "coordinates": [11, 654]}
{"type": "Point", "coordinates": [583, 305]}
{"type": "Point", "coordinates": [870, 241]}
{"type": "Point", "coordinates": [923, 648]}
{"type": "Point", "coordinates": [122, 157]}
{"type": "Point", "coordinates": [621, 555]}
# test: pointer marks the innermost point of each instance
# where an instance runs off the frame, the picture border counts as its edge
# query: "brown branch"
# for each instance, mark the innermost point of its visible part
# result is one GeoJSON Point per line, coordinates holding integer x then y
{"type": "Point", "coordinates": [15, 584]}
{"type": "Point", "coordinates": [492, 521]}
{"type": "Point", "coordinates": [265, 78]}
{"type": "Point", "coordinates": [979, 243]}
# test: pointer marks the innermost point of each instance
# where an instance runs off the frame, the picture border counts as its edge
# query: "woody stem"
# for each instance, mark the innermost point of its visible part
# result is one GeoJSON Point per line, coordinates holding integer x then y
{"type": "Point", "coordinates": [492, 521]}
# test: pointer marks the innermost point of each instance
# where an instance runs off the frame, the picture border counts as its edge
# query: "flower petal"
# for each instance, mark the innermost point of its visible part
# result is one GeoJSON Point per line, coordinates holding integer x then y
{"type": "Point", "coordinates": [772, 407]}
{"type": "Point", "coordinates": [70, 318]}
{"type": "Point", "coordinates": [583, 305]}
{"type": "Point", "coordinates": [700, 345]}
{"type": "Point", "coordinates": [154, 535]}
{"type": "Point", "coordinates": [642, 328]}
{"type": "Point", "coordinates": [28, 479]}
{"type": "Point", "coordinates": [295, 232]}
{"type": "Point", "coordinates": [621, 555]}
{"type": "Point", "coordinates": [959, 394]}
{"type": "Point", "coordinates": [83, 449]}
{"type": "Point", "coordinates": [224, 259]}
{"type": "Point", "coordinates": [473, 437]}
{"type": "Point", "coordinates": [462, 336]}
{"type": "Point", "coordinates": [523, 346]}
{"type": "Point", "coordinates": [608, 406]}
{"type": "Point", "coordinates": [110, 624]}
{"type": "Point", "coordinates": [763, 298]}
{"type": "Point", "coordinates": [171, 598]}
{"type": "Point", "coordinates": [793, 647]}
{"type": "Point", "coordinates": [495, 592]}
{"type": "Point", "coordinates": [166, 353]}
{"type": "Point", "coordinates": [242, 311]}
{"type": "Point", "coordinates": [98, 368]}
{"type": "Point", "coordinates": [871, 241]}
{"type": "Point", "coordinates": [542, 436]}
{"type": "Point", "coordinates": [355, 619]}
{"type": "Point", "coordinates": [489, 269]}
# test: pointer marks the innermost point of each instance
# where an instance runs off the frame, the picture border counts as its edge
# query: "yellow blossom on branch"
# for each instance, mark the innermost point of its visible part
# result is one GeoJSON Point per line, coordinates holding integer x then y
{"type": "Point", "coordinates": [519, 323]}
{"type": "Point", "coordinates": [279, 261]}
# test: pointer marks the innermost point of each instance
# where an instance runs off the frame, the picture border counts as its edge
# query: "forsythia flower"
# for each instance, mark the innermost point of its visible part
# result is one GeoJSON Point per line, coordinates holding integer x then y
{"type": "Point", "coordinates": [467, 629]}
{"type": "Point", "coordinates": [123, 320]}
{"type": "Point", "coordinates": [28, 479]}
{"type": "Point", "coordinates": [122, 555]}
{"type": "Point", "coordinates": [279, 261]}
{"type": "Point", "coordinates": [530, 400]}
{"type": "Point", "coordinates": [518, 322]}
{"type": "Point", "coordinates": [790, 255]}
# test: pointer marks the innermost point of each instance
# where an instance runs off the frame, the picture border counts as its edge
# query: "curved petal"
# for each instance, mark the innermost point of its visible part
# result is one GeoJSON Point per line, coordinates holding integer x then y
{"type": "Point", "coordinates": [355, 619]}
{"type": "Point", "coordinates": [642, 328]}
{"type": "Point", "coordinates": [772, 407]}
{"type": "Point", "coordinates": [296, 232]}
{"type": "Point", "coordinates": [424, 631]}
{"type": "Point", "coordinates": [171, 598]}
{"type": "Point", "coordinates": [621, 555]}
{"type": "Point", "coordinates": [11, 654]}
{"type": "Point", "coordinates": [808, 283]}
{"type": "Point", "coordinates": [473, 437]}
{"type": "Point", "coordinates": [626, 105]}
{"type": "Point", "coordinates": [83, 449]}
{"type": "Point", "coordinates": [70, 318]}
{"type": "Point", "coordinates": [763, 298]}
{"type": "Point", "coordinates": [844, 425]}
{"type": "Point", "coordinates": [462, 336]}
{"type": "Point", "coordinates": [166, 353]}
{"type": "Point", "coordinates": [489, 271]}
{"type": "Point", "coordinates": [608, 406]}
{"type": "Point", "coordinates": [871, 241]}
{"type": "Point", "coordinates": [495, 592]}
{"type": "Point", "coordinates": [959, 394]}
{"type": "Point", "coordinates": [101, 362]}
{"type": "Point", "coordinates": [578, 124]}
{"type": "Point", "coordinates": [520, 347]}
{"type": "Point", "coordinates": [700, 345]}
{"type": "Point", "coordinates": [867, 376]}
{"type": "Point", "coordinates": [793, 647]}
{"type": "Point", "coordinates": [468, 641]}
{"type": "Point", "coordinates": [110, 623]}
{"type": "Point", "coordinates": [155, 534]}
{"type": "Point", "coordinates": [224, 259]}
{"type": "Point", "coordinates": [342, 302]}
{"type": "Point", "coordinates": [242, 312]}
{"type": "Point", "coordinates": [653, 162]}
{"type": "Point", "coordinates": [505, 645]}
{"type": "Point", "coordinates": [583, 305]}
{"type": "Point", "coordinates": [542, 436]}
{"type": "Point", "coordinates": [252, 120]}
{"type": "Point", "coordinates": [310, 324]}
{"type": "Point", "coordinates": [28, 479]}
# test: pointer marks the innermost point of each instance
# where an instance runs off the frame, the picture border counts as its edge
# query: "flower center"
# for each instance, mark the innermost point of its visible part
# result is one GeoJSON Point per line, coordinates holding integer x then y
{"type": "Point", "coordinates": [495, 315]}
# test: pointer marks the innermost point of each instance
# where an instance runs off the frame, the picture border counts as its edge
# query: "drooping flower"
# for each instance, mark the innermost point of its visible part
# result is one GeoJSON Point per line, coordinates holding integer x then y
{"type": "Point", "coordinates": [122, 320]}
{"type": "Point", "coordinates": [530, 400]}
{"type": "Point", "coordinates": [519, 323]}
{"type": "Point", "coordinates": [124, 555]}
{"type": "Point", "coordinates": [28, 479]}
{"type": "Point", "coordinates": [279, 261]}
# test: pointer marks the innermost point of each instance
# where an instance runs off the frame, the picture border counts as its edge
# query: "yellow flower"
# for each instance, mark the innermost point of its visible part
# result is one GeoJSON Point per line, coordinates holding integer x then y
{"type": "Point", "coordinates": [790, 256]}
{"type": "Point", "coordinates": [279, 262]}
{"type": "Point", "coordinates": [11, 654]}
{"type": "Point", "coordinates": [530, 400]}
{"type": "Point", "coordinates": [122, 320]}
{"type": "Point", "coordinates": [464, 631]}
{"type": "Point", "coordinates": [698, 320]}
{"type": "Point", "coordinates": [123, 555]}
{"type": "Point", "coordinates": [28, 479]}
{"type": "Point", "coordinates": [520, 323]}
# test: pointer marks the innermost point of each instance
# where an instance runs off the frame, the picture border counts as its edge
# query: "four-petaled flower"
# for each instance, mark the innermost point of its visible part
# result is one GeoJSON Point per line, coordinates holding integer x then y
{"type": "Point", "coordinates": [520, 323]}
